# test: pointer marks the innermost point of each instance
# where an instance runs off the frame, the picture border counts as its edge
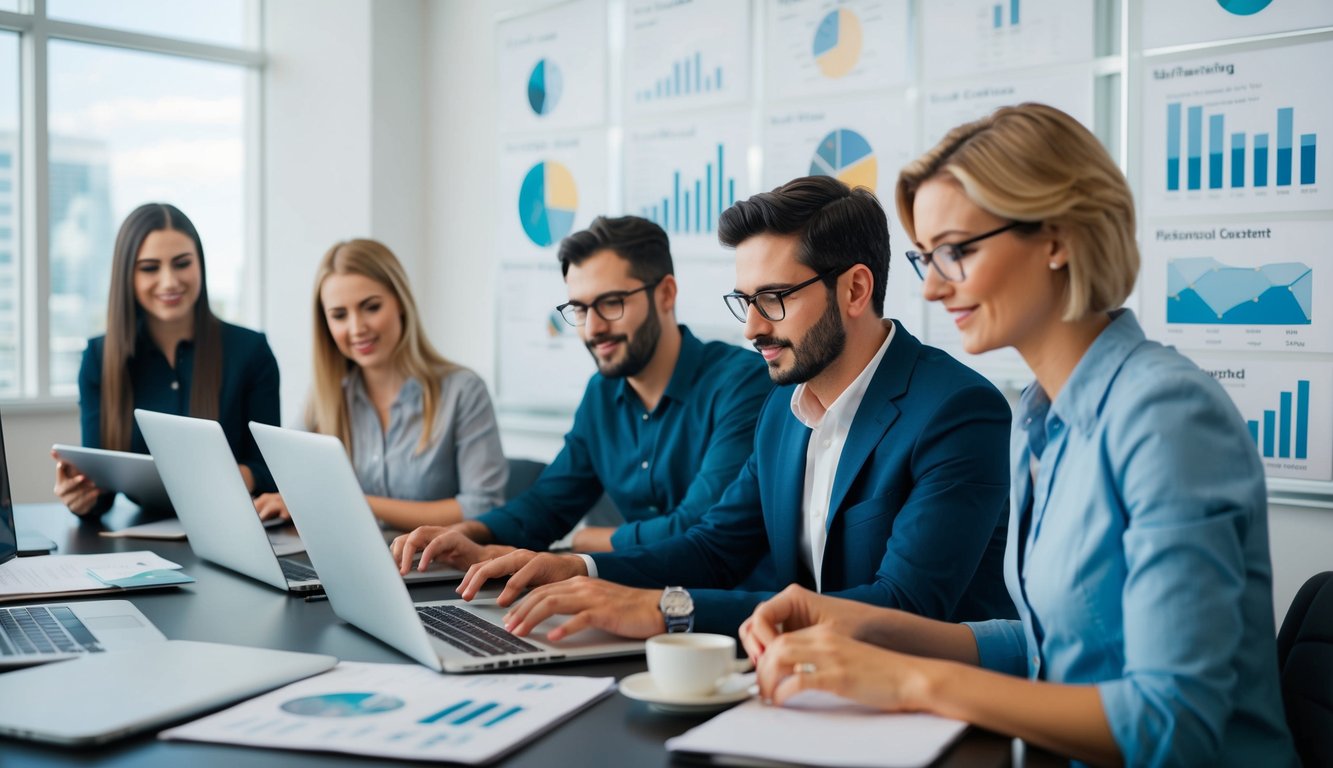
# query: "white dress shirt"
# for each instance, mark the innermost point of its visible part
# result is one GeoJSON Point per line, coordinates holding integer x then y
{"type": "Point", "coordinates": [829, 430]}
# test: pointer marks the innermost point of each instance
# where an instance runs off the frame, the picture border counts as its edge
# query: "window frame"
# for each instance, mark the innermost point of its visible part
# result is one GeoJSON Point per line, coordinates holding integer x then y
{"type": "Point", "coordinates": [32, 258]}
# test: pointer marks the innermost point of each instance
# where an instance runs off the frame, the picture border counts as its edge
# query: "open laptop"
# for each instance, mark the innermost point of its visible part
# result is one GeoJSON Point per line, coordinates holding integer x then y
{"type": "Point", "coordinates": [364, 588]}
{"type": "Point", "coordinates": [215, 509]}
{"type": "Point", "coordinates": [32, 634]}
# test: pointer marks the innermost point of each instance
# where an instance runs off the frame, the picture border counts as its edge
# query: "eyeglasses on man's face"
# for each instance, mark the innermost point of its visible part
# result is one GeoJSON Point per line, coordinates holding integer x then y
{"type": "Point", "coordinates": [609, 306]}
{"type": "Point", "coordinates": [770, 302]}
{"type": "Point", "coordinates": [948, 258]}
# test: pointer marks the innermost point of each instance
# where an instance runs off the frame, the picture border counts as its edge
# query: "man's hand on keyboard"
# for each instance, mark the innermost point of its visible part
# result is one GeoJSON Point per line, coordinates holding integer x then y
{"type": "Point", "coordinates": [595, 603]}
{"type": "Point", "coordinates": [525, 568]}
{"type": "Point", "coordinates": [449, 545]}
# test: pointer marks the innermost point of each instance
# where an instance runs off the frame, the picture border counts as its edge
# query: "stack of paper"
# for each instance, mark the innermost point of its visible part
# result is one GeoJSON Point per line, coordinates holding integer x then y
{"type": "Point", "coordinates": [63, 575]}
{"type": "Point", "coordinates": [820, 729]}
{"type": "Point", "coordinates": [401, 711]}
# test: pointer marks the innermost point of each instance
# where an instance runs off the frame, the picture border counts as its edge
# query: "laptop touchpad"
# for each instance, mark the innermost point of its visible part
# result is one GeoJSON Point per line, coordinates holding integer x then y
{"type": "Point", "coordinates": [125, 621]}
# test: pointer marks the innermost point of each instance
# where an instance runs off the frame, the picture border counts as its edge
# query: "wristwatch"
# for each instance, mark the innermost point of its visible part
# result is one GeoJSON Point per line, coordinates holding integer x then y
{"type": "Point", "coordinates": [677, 609]}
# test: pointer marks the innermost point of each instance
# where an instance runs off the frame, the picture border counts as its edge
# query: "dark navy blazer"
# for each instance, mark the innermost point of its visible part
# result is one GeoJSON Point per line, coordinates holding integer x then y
{"type": "Point", "coordinates": [919, 505]}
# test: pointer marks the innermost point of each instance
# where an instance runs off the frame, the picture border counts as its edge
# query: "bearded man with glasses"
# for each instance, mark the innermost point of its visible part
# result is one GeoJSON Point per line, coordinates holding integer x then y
{"type": "Point", "coordinates": [664, 425]}
{"type": "Point", "coordinates": [880, 470]}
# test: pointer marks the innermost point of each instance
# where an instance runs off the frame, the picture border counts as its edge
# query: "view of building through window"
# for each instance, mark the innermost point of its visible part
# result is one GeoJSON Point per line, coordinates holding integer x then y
{"type": "Point", "coordinates": [10, 284]}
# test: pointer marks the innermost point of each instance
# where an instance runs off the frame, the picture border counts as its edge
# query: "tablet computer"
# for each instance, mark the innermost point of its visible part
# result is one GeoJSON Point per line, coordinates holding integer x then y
{"type": "Point", "coordinates": [133, 474]}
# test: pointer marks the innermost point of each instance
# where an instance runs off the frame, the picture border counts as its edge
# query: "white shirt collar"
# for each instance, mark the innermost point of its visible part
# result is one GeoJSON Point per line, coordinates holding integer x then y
{"type": "Point", "coordinates": [809, 411]}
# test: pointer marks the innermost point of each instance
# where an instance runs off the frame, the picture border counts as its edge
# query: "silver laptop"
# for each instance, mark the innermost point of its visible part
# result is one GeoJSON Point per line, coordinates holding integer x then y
{"type": "Point", "coordinates": [320, 488]}
{"type": "Point", "coordinates": [101, 698]}
{"type": "Point", "coordinates": [32, 634]}
{"type": "Point", "coordinates": [206, 488]}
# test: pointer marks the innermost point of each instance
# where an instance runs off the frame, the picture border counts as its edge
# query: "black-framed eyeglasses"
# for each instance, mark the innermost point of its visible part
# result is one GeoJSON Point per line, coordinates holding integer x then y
{"type": "Point", "coordinates": [948, 258]}
{"type": "Point", "coordinates": [769, 302]}
{"type": "Point", "coordinates": [608, 306]}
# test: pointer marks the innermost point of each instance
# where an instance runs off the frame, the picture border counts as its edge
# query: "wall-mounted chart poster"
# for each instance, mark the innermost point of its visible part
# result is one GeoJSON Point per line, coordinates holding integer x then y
{"type": "Point", "coordinates": [542, 362]}
{"type": "Point", "coordinates": [1238, 132]}
{"type": "Point", "coordinates": [864, 142]}
{"type": "Point", "coordinates": [552, 68]}
{"type": "Point", "coordinates": [1254, 286]}
{"type": "Point", "coordinates": [702, 283]}
{"type": "Point", "coordinates": [1193, 21]}
{"type": "Point", "coordinates": [825, 47]}
{"type": "Point", "coordinates": [683, 173]}
{"type": "Point", "coordinates": [549, 186]}
{"type": "Point", "coordinates": [1288, 408]}
{"type": "Point", "coordinates": [682, 54]}
{"type": "Point", "coordinates": [968, 38]}
{"type": "Point", "coordinates": [947, 106]}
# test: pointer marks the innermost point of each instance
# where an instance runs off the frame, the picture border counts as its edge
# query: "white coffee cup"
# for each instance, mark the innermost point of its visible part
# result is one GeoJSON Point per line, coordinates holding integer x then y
{"type": "Point", "coordinates": [689, 664]}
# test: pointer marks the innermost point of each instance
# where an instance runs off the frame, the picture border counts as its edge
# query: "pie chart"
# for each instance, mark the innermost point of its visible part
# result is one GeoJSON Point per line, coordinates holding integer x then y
{"type": "Point", "coordinates": [845, 155]}
{"type": "Point", "coordinates": [544, 86]}
{"type": "Point", "coordinates": [547, 201]}
{"type": "Point", "coordinates": [838, 43]}
{"type": "Point", "coordinates": [342, 705]}
{"type": "Point", "coordinates": [1243, 7]}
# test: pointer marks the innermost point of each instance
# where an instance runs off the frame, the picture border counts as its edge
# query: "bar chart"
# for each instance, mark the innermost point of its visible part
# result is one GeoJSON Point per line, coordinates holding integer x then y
{"type": "Point", "coordinates": [1292, 161]}
{"type": "Point", "coordinates": [978, 38]}
{"type": "Point", "coordinates": [998, 18]}
{"type": "Point", "coordinates": [686, 76]}
{"type": "Point", "coordinates": [696, 198]}
{"type": "Point", "coordinates": [685, 54]}
{"type": "Point", "coordinates": [1286, 431]}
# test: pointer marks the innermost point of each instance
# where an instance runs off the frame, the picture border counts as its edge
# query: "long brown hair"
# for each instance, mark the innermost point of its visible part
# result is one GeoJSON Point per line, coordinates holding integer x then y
{"type": "Point", "coordinates": [122, 321]}
{"type": "Point", "coordinates": [413, 357]}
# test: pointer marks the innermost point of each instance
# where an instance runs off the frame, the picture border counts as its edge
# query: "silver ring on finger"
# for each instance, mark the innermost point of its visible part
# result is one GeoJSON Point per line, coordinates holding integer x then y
{"type": "Point", "coordinates": [805, 668]}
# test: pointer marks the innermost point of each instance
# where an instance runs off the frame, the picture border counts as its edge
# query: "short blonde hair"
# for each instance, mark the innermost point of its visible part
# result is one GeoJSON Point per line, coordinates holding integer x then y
{"type": "Point", "coordinates": [414, 356]}
{"type": "Point", "coordinates": [1034, 163]}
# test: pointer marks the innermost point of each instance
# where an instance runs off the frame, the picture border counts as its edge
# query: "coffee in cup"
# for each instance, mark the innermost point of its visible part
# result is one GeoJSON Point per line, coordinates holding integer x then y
{"type": "Point", "coordinates": [689, 664]}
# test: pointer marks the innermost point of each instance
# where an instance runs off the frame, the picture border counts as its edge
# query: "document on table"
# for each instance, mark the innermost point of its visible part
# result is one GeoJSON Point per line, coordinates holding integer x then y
{"type": "Point", "coordinates": [402, 711]}
{"type": "Point", "coordinates": [164, 530]}
{"type": "Point", "coordinates": [817, 728]}
{"type": "Point", "coordinates": [74, 574]}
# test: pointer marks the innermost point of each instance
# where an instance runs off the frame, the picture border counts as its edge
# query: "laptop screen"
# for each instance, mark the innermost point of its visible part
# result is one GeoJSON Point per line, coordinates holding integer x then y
{"type": "Point", "coordinates": [8, 539]}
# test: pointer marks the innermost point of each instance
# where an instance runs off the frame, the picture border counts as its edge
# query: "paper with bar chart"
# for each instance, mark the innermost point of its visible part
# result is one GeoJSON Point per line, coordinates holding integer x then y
{"type": "Point", "coordinates": [1177, 23]}
{"type": "Point", "coordinates": [1288, 408]}
{"type": "Point", "coordinates": [683, 174]}
{"type": "Point", "coordinates": [551, 68]}
{"type": "Point", "coordinates": [967, 38]}
{"type": "Point", "coordinates": [685, 54]}
{"type": "Point", "coordinates": [401, 711]}
{"type": "Point", "coordinates": [1238, 133]}
{"type": "Point", "coordinates": [1256, 286]}
{"type": "Point", "coordinates": [549, 186]}
{"type": "Point", "coordinates": [824, 47]}
{"type": "Point", "coordinates": [541, 360]}
{"type": "Point", "coordinates": [861, 142]}
{"type": "Point", "coordinates": [946, 106]}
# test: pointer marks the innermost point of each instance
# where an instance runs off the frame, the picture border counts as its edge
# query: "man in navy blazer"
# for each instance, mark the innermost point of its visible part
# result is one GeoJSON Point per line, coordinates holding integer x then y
{"type": "Point", "coordinates": [880, 470]}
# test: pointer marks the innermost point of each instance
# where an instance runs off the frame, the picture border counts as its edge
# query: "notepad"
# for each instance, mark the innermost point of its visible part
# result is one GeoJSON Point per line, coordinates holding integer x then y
{"type": "Point", "coordinates": [820, 729]}
{"type": "Point", "coordinates": [67, 575]}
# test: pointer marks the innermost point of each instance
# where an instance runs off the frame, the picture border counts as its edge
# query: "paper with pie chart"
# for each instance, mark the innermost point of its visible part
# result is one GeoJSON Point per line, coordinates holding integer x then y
{"type": "Point", "coordinates": [821, 47]}
{"type": "Point", "coordinates": [551, 68]}
{"type": "Point", "coordinates": [1259, 286]}
{"type": "Point", "coordinates": [1176, 23]}
{"type": "Point", "coordinates": [549, 187]}
{"type": "Point", "coordinates": [541, 360]}
{"type": "Point", "coordinates": [401, 711]}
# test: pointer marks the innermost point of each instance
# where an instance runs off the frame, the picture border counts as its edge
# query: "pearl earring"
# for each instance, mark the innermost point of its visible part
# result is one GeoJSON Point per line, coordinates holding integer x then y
{"type": "Point", "coordinates": [1053, 265]}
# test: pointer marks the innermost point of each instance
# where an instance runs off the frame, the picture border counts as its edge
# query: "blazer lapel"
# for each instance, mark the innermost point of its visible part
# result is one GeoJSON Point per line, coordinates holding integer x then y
{"type": "Point", "coordinates": [783, 509]}
{"type": "Point", "coordinates": [875, 415]}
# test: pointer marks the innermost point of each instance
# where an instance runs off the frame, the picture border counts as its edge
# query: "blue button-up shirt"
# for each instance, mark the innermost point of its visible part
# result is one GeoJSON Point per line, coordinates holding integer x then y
{"type": "Point", "coordinates": [1138, 557]}
{"type": "Point", "coordinates": [663, 468]}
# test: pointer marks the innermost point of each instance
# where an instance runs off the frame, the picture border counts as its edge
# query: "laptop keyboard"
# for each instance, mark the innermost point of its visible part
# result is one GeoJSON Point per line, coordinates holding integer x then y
{"type": "Point", "coordinates": [296, 571]}
{"type": "Point", "coordinates": [470, 633]}
{"type": "Point", "coordinates": [40, 629]}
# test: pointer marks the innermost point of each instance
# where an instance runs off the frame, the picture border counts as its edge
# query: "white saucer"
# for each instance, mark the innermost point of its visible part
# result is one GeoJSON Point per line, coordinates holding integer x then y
{"type": "Point", "coordinates": [642, 688]}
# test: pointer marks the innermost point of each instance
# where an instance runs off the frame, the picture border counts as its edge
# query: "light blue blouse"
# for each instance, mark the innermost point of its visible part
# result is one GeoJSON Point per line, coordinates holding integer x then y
{"type": "Point", "coordinates": [463, 459]}
{"type": "Point", "coordinates": [1139, 559]}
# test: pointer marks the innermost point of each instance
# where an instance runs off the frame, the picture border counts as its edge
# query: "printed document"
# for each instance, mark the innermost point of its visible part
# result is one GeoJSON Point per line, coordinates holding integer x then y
{"type": "Point", "coordinates": [401, 711]}
{"type": "Point", "coordinates": [73, 574]}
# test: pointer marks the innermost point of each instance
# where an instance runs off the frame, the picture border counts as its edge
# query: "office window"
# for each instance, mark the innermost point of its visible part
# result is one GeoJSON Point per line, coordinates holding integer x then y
{"type": "Point", "coordinates": [126, 128]}
{"type": "Point", "coordinates": [146, 100]}
{"type": "Point", "coordinates": [221, 22]}
{"type": "Point", "coordinates": [9, 223]}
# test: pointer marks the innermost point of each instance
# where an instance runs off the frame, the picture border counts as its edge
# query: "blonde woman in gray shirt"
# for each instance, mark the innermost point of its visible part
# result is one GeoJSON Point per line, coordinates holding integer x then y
{"type": "Point", "coordinates": [420, 430]}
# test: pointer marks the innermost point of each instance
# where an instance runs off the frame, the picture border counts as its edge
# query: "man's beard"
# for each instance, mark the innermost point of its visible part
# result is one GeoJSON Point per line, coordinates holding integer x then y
{"type": "Point", "coordinates": [639, 348]}
{"type": "Point", "coordinates": [823, 344]}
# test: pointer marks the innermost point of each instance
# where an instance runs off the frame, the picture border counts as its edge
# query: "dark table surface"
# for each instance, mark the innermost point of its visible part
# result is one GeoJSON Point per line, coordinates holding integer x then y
{"type": "Point", "coordinates": [225, 607]}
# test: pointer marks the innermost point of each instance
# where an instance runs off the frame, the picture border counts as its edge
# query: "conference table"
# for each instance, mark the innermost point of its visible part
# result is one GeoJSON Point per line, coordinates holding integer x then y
{"type": "Point", "coordinates": [224, 607]}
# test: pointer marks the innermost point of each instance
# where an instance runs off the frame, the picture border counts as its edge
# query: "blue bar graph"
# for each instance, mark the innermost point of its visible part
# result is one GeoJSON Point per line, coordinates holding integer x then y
{"type": "Point", "coordinates": [1013, 12]}
{"type": "Point", "coordinates": [474, 714]}
{"type": "Point", "coordinates": [449, 710]}
{"type": "Point", "coordinates": [1289, 424]}
{"type": "Point", "coordinates": [505, 715]}
{"type": "Point", "coordinates": [997, 14]}
{"type": "Point", "coordinates": [998, 20]}
{"type": "Point", "coordinates": [685, 78]}
{"type": "Point", "coordinates": [697, 212]}
{"type": "Point", "coordinates": [1223, 149]}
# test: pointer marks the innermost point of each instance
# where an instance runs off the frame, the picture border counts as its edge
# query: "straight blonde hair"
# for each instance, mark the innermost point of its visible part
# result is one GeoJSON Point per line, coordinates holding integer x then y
{"type": "Point", "coordinates": [413, 357]}
{"type": "Point", "coordinates": [1034, 163]}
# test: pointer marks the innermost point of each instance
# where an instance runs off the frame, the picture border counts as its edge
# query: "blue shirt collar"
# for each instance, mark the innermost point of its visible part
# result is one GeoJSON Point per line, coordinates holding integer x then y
{"type": "Point", "coordinates": [683, 376]}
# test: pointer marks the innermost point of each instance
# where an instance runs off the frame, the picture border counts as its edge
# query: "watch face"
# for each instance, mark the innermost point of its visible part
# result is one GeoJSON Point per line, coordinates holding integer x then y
{"type": "Point", "coordinates": [677, 604]}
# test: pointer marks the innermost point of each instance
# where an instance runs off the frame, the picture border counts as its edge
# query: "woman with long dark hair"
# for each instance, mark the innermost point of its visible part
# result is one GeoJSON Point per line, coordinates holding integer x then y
{"type": "Point", "coordinates": [164, 350]}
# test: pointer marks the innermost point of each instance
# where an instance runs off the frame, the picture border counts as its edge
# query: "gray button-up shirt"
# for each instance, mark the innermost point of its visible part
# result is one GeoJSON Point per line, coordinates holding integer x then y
{"type": "Point", "coordinates": [463, 459]}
